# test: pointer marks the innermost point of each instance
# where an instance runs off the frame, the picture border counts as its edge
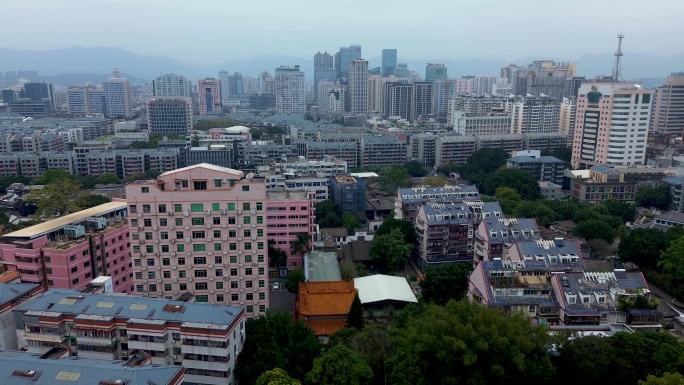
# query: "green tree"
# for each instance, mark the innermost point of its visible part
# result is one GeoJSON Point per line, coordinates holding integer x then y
{"type": "Point", "coordinates": [445, 282]}
{"type": "Point", "coordinates": [390, 250]}
{"type": "Point", "coordinates": [302, 244]}
{"type": "Point", "coordinates": [435, 181]}
{"type": "Point", "coordinates": [340, 366]}
{"type": "Point", "coordinates": [536, 209]}
{"type": "Point", "coordinates": [658, 197]}
{"type": "Point", "coordinates": [390, 223]}
{"type": "Point", "coordinates": [589, 360]}
{"type": "Point", "coordinates": [373, 344]}
{"type": "Point", "coordinates": [355, 315]}
{"type": "Point", "coordinates": [508, 199]}
{"type": "Point", "coordinates": [276, 376]}
{"type": "Point", "coordinates": [647, 353]}
{"type": "Point", "coordinates": [56, 199]}
{"type": "Point", "coordinates": [415, 168]}
{"type": "Point", "coordinates": [207, 124]}
{"type": "Point", "coordinates": [294, 277]}
{"type": "Point", "coordinates": [483, 163]}
{"type": "Point", "coordinates": [665, 379]}
{"type": "Point", "coordinates": [626, 213]}
{"type": "Point", "coordinates": [393, 177]}
{"type": "Point", "coordinates": [350, 222]}
{"type": "Point", "coordinates": [342, 336]}
{"type": "Point", "coordinates": [594, 229]}
{"type": "Point", "coordinates": [108, 178]}
{"type": "Point", "coordinates": [644, 246]}
{"type": "Point", "coordinates": [328, 214]}
{"type": "Point", "coordinates": [87, 181]}
{"type": "Point", "coordinates": [672, 264]}
{"type": "Point", "coordinates": [519, 180]}
{"type": "Point", "coordinates": [467, 343]}
{"type": "Point", "coordinates": [277, 257]}
{"type": "Point", "coordinates": [347, 271]}
{"type": "Point", "coordinates": [562, 153]}
{"type": "Point", "coordinates": [92, 200]}
{"type": "Point", "coordinates": [51, 176]}
{"type": "Point", "coordinates": [195, 141]}
{"type": "Point", "coordinates": [274, 341]}
{"type": "Point", "coordinates": [6, 181]}
{"type": "Point", "coordinates": [447, 168]}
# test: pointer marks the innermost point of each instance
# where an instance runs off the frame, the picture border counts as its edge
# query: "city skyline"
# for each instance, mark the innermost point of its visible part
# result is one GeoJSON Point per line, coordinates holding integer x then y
{"type": "Point", "coordinates": [432, 40]}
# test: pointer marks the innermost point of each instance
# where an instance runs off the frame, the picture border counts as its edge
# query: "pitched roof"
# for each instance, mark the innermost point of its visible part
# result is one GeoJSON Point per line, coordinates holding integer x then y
{"type": "Point", "coordinates": [10, 291]}
{"type": "Point", "coordinates": [357, 250]}
{"type": "Point", "coordinates": [376, 288]}
{"type": "Point", "coordinates": [326, 327]}
{"type": "Point", "coordinates": [207, 166]}
{"type": "Point", "coordinates": [334, 232]}
{"type": "Point", "coordinates": [325, 298]}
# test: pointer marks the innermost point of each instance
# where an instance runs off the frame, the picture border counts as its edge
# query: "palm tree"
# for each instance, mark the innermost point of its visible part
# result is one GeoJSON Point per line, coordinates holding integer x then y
{"type": "Point", "coordinates": [302, 244]}
{"type": "Point", "coordinates": [277, 256]}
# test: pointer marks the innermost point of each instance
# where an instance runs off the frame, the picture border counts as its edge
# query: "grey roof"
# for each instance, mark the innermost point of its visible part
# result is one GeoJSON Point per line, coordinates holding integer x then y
{"type": "Point", "coordinates": [458, 212]}
{"type": "Point", "coordinates": [543, 251]}
{"type": "Point", "coordinates": [321, 266]}
{"type": "Point", "coordinates": [334, 232]}
{"type": "Point", "coordinates": [87, 304]}
{"type": "Point", "coordinates": [675, 180]}
{"type": "Point", "coordinates": [504, 226]}
{"type": "Point", "coordinates": [601, 168]}
{"type": "Point", "coordinates": [529, 159]}
{"type": "Point", "coordinates": [10, 291]}
{"type": "Point", "coordinates": [589, 283]}
{"type": "Point", "coordinates": [79, 371]}
{"type": "Point", "coordinates": [357, 251]}
{"type": "Point", "coordinates": [422, 193]}
{"type": "Point", "coordinates": [671, 216]}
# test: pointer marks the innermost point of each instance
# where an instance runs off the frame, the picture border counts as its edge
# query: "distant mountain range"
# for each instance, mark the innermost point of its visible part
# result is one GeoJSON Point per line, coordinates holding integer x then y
{"type": "Point", "coordinates": [78, 65]}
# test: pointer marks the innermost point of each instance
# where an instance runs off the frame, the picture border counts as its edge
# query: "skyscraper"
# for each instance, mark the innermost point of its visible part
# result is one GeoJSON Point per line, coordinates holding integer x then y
{"type": "Point", "coordinates": [289, 90]}
{"type": "Point", "coordinates": [118, 95]}
{"type": "Point", "coordinates": [265, 83]}
{"type": "Point", "coordinates": [40, 91]}
{"type": "Point", "coordinates": [224, 78]}
{"type": "Point", "coordinates": [235, 85]}
{"type": "Point", "coordinates": [324, 88]}
{"type": "Point", "coordinates": [611, 124]}
{"type": "Point", "coordinates": [324, 69]}
{"type": "Point", "coordinates": [668, 107]}
{"type": "Point", "coordinates": [398, 100]}
{"type": "Point", "coordinates": [389, 61]}
{"type": "Point", "coordinates": [170, 85]}
{"type": "Point", "coordinates": [358, 86]}
{"type": "Point", "coordinates": [170, 115]}
{"type": "Point", "coordinates": [344, 57]}
{"type": "Point", "coordinates": [534, 114]}
{"type": "Point", "coordinates": [402, 70]}
{"type": "Point", "coordinates": [434, 71]}
{"type": "Point", "coordinates": [209, 95]}
{"type": "Point", "coordinates": [422, 100]}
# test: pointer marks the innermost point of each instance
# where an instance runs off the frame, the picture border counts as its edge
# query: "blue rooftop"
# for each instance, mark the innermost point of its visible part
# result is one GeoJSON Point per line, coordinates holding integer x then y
{"type": "Point", "coordinates": [11, 291]}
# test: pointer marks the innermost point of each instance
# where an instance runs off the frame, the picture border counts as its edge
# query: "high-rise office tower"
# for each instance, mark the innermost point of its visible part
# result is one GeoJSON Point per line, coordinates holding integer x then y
{"type": "Point", "coordinates": [324, 88]}
{"type": "Point", "coordinates": [289, 90]}
{"type": "Point", "coordinates": [265, 83]}
{"type": "Point", "coordinates": [237, 84]}
{"type": "Point", "coordinates": [170, 115]}
{"type": "Point", "coordinates": [11, 78]}
{"type": "Point", "coordinates": [389, 61]}
{"type": "Point", "coordinates": [375, 85]}
{"type": "Point", "coordinates": [443, 90]}
{"type": "Point", "coordinates": [611, 124]}
{"type": "Point", "coordinates": [668, 107]}
{"type": "Point", "coordinates": [535, 114]}
{"type": "Point", "coordinates": [567, 118]}
{"type": "Point", "coordinates": [201, 230]}
{"type": "Point", "coordinates": [422, 100]}
{"type": "Point", "coordinates": [324, 69]}
{"type": "Point", "coordinates": [357, 86]}
{"type": "Point", "coordinates": [336, 98]}
{"type": "Point", "coordinates": [209, 96]}
{"type": "Point", "coordinates": [402, 70]}
{"type": "Point", "coordinates": [399, 100]}
{"type": "Point", "coordinates": [118, 96]}
{"type": "Point", "coordinates": [344, 57]}
{"type": "Point", "coordinates": [40, 91]}
{"type": "Point", "coordinates": [170, 85]}
{"type": "Point", "coordinates": [434, 71]}
{"type": "Point", "coordinates": [224, 78]}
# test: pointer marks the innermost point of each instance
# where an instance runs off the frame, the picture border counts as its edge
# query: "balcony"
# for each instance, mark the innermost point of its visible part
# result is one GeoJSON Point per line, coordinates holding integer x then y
{"type": "Point", "coordinates": [148, 343]}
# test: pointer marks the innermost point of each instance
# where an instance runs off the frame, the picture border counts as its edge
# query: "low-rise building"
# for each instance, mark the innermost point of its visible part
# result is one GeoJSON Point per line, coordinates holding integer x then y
{"type": "Point", "coordinates": [551, 191]}
{"type": "Point", "coordinates": [11, 296]}
{"type": "Point", "coordinates": [70, 251]}
{"type": "Point", "coordinates": [382, 291]}
{"type": "Point", "coordinates": [303, 168]}
{"type": "Point", "coordinates": [410, 199]}
{"type": "Point", "coordinates": [203, 339]}
{"type": "Point", "coordinates": [378, 151]}
{"type": "Point", "coordinates": [603, 182]}
{"type": "Point", "coordinates": [21, 368]}
{"type": "Point", "coordinates": [349, 193]}
{"type": "Point", "coordinates": [323, 306]}
{"type": "Point", "coordinates": [496, 234]}
{"type": "Point", "coordinates": [542, 168]}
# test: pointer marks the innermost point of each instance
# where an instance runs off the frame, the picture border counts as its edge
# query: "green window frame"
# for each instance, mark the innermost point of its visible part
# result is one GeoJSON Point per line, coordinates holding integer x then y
{"type": "Point", "coordinates": [231, 206]}
{"type": "Point", "coordinates": [197, 221]}
{"type": "Point", "coordinates": [177, 208]}
{"type": "Point", "coordinates": [196, 207]}
{"type": "Point", "coordinates": [215, 206]}
{"type": "Point", "coordinates": [248, 258]}
{"type": "Point", "coordinates": [199, 247]}
{"type": "Point", "coordinates": [233, 259]}
{"type": "Point", "coordinates": [260, 232]}
{"type": "Point", "coordinates": [245, 205]}
{"type": "Point", "coordinates": [247, 220]}
{"type": "Point", "coordinates": [217, 247]}
{"type": "Point", "coordinates": [180, 248]}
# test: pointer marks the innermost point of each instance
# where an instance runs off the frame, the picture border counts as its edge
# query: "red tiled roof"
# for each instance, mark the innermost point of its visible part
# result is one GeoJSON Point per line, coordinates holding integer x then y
{"type": "Point", "coordinates": [325, 298]}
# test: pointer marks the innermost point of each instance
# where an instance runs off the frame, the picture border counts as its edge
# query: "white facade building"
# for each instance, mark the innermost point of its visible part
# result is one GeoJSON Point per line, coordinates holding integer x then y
{"type": "Point", "coordinates": [358, 86]}
{"type": "Point", "coordinates": [171, 85]}
{"type": "Point", "coordinates": [118, 95]}
{"type": "Point", "coordinates": [289, 90]}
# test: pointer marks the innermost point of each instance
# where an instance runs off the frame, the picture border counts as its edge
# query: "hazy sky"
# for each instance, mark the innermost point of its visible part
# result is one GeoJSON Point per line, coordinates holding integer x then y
{"type": "Point", "coordinates": [212, 31]}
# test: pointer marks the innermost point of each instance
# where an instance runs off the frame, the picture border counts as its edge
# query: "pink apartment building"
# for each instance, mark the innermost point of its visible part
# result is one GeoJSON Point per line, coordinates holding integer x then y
{"type": "Point", "coordinates": [291, 213]}
{"type": "Point", "coordinates": [201, 230]}
{"type": "Point", "coordinates": [70, 251]}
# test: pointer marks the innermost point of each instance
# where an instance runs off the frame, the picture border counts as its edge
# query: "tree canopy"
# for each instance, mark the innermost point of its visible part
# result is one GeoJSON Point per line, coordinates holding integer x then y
{"type": "Point", "coordinates": [350, 222]}
{"type": "Point", "coordinates": [519, 180]}
{"type": "Point", "coordinates": [406, 228]}
{"type": "Point", "coordinates": [58, 198]}
{"type": "Point", "coordinates": [672, 263]}
{"type": "Point", "coordinates": [594, 229]}
{"type": "Point", "coordinates": [340, 365]}
{"type": "Point", "coordinates": [274, 341]}
{"type": "Point", "coordinates": [665, 379]}
{"type": "Point", "coordinates": [328, 214]}
{"type": "Point", "coordinates": [391, 250]}
{"type": "Point", "coordinates": [355, 315]}
{"type": "Point", "coordinates": [393, 177]}
{"type": "Point", "coordinates": [276, 376]}
{"type": "Point", "coordinates": [6, 181]}
{"type": "Point", "coordinates": [658, 197]}
{"type": "Point", "coordinates": [435, 181]}
{"type": "Point", "coordinates": [483, 163]}
{"type": "Point", "coordinates": [445, 282]}
{"type": "Point", "coordinates": [415, 168]}
{"type": "Point", "coordinates": [644, 246]}
{"type": "Point", "coordinates": [294, 277]}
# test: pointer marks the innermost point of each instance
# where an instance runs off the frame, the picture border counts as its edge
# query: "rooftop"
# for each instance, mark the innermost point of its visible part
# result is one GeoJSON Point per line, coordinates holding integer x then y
{"type": "Point", "coordinates": [530, 159]}
{"type": "Point", "coordinates": [326, 298]}
{"type": "Point", "coordinates": [55, 224]}
{"type": "Point", "coordinates": [334, 232]}
{"type": "Point", "coordinates": [287, 195]}
{"type": "Point", "coordinates": [205, 166]}
{"type": "Point", "coordinates": [321, 266]}
{"type": "Point", "coordinates": [128, 306]}
{"type": "Point", "coordinates": [357, 251]}
{"type": "Point", "coordinates": [11, 291]}
{"type": "Point", "coordinates": [423, 193]}
{"type": "Point", "coordinates": [21, 368]}
{"type": "Point", "coordinates": [671, 216]}
{"type": "Point", "coordinates": [345, 179]}
{"type": "Point", "coordinates": [377, 288]}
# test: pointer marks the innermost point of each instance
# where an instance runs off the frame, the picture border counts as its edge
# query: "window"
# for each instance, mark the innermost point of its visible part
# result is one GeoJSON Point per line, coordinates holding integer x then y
{"type": "Point", "coordinates": [219, 285]}
{"type": "Point", "coordinates": [233, 284]}
{"type": "Point", "coordinates": [247, 233]}
{"type": "Point", "coordinates": [247, 220]}
{"type": "Point", "coordinates": [232, 246]}
{"type": "Point", "coordinates": [48, 270]}
{"type": "Point", "coordinates": [218, 260]}
{"type": "Point", "coordinates": [74, 281]}
{"type": "Point", "coordinates": [163, 222]}
{"type": "Point", "coordinates": [248, 245]}
{"type": "Point", "coordinates": [184, 183]}
{"type": "Point", "coordinates": [262, 308]}
{"type": "Point", "coordinates": [177, 208]}
{"type": "Point", "coordinates": [180, 235]}
{"type": "Point", "coordinates": [231, 207]}
{"type": "Point", "coordinates": [181, 273]}
{"type": "Point", "coordinates": [183, 286]}
{"type": "Point", "coordinates": [232, 233]}
{"type": "Point", "coordinates": [201, 285]}
{"type": "Point", "coordinates": [139, 288]}
{"type": "Point", "coordinates": [178, 221]}
{"type": "Point", "coordinates": [161, 208]}
{"type": "Point", "coordinates": [149, 249]}
{"type": "Point", "coordinates": [167, 287]}
{"type": "Point", "coordinates": [217, 182]}
{"type": "Point", "coordinates": [245, 205]}
{"type": "Point", "coordinates": [74, 269]}
{"type": "Point", "coordinates": [260, 245]}
{"type": "Point", "coordinates": [200, 273]}
{"type": "Point", "coordinates": [150, 262]}
{"type": "Point", "coordinates": [233, 272]}
{"type": "Point", "coordinates": [250, 297]}
{"type": "Point", "coordinates": [197, 221]}
{"type": "Point", "coordinates": [217, 247]}
{"type": "Point", "coordinates": [233, 259]}
{"type": "Point", "coordinates": [151, 275]}
{"type": "Point", "coordinates": [219, 272]}
{"type": "Point", "coordinates": [199, 185]}
{"type": "Point", "coordinates": [260, 258]}
{"type": "Point", "coordinates": [180, 248]}
{"type": "Point", "coordinates": [200, 260]}
{"type": "Point", "coordinates": [144, 190]}
{"type": "Point", "coordinates": [199, 247]}
{"type": "Point", "coordinates": [259, 206]}
{"type": "Point", "coordinates": [250, 309]}
{"type": "Point", "coordinates": [260, 219]}
{"type": "Point", "coordinates": [164, 235]}
{"type": "Point", "coordinates": [198, 234]}
{"type": "Point", "coordinates": [234, 297]}
{"type": "Point", "coordinates": [248, 259]}
{"type": "Point", "coordinates": [202, 298]}
{"type": "Point", "coordinates": [181, 260]}
{"type": "Point", "coordinates": [215, 206]}
{"type": "Point", "coordinates": [261, 283]}
{"type": "Point", "coordinates": [260, 232]}
{"type": "Point", "coordinates": [261, 271]}
{"type": "Point", "coordinates": [147, 209]}
{"type": "Point", "coordinates": [262, 295]}
{"type": "Point", "coordinates": [216, 221]}
{"type": "Point", "coordinates": [166, 274]}
{"type": "Point", "coordinates": [217, 233]}
{"type": "Point", "coordinates": [133, 209]}
{"type": "Point", "coordinates": [47, 259]}
{"type": "Point", "coordinates": [196, 207]}
{"type": "Point", "coordinates": [231, 220]}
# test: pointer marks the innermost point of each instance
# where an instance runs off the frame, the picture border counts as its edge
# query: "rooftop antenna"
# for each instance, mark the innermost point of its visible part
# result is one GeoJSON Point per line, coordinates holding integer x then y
{"type": "Point", "coordinates": [617, 67]}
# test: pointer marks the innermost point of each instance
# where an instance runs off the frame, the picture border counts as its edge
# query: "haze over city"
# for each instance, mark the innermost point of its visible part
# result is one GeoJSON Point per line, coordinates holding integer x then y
{"type": "Point", "coordinates": [213, 31]}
